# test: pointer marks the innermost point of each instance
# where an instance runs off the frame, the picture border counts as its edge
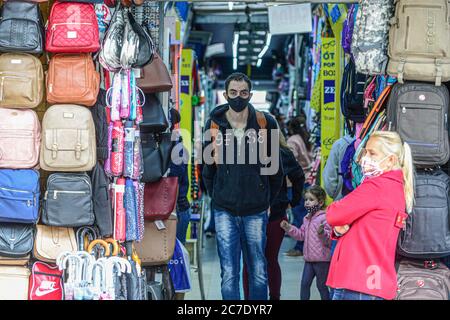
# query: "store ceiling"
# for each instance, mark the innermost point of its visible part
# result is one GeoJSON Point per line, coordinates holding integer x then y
{"type": "Point", "coordinates": [250, 21]}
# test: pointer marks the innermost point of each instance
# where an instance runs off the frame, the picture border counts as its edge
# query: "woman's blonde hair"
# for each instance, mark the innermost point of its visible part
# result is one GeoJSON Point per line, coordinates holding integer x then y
{"type": "Point", "coordinates": [391, 144]}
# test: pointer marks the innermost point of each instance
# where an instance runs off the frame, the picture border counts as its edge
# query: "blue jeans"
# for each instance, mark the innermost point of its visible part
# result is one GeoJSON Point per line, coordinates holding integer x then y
{"type": "Point", "coordinates": [299, 212]}
{"type": "Point", "coordinates": [182, 225]}
{"type": "Point", "coordinates": [344, 294]}
{"type": "Point", "coordinates": [318, 270]}
{"type": "Point", "coordinates": [245, 234]}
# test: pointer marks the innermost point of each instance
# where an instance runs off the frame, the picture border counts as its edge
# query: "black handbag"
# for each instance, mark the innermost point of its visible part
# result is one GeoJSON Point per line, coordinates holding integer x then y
{"type": "Point", "coordinates": [146, 50]}
{"type": "Point", "coordinates": [156, 150]}
{"type": "Point", "coordinates": [21, 27]}
{"type": "Point", "coordinates": [16, 240]}
{"type": "Point", "coordinates": [154, 118]}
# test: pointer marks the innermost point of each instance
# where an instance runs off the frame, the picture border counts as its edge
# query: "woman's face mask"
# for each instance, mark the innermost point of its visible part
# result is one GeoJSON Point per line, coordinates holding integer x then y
{"type": "Point", "coordinates": [371, 168]}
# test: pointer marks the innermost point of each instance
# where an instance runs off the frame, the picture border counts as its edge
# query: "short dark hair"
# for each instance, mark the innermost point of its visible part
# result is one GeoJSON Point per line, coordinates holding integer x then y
{"type": "Point", "coordinates": [238, 76]}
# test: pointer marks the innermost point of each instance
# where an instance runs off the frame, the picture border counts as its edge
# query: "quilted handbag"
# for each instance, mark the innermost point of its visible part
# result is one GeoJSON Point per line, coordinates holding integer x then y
{"type": "Point", "coordinates": [21, 27]}
{"type": "Point", "coordinates": [160, 199]}
{"type": "Point", "coordinates": [154, 77]}
{"type": "Point", "coordinates": [51, 241]}
{"type": "Point", "coordinates": [72, 28]}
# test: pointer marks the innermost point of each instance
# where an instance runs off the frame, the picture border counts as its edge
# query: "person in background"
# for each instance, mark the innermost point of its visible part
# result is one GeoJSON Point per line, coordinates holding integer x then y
{"type": "Point", "coordinates": [316, 233]}
{"type": "Point", "coordinates": [301, 148]}
{"type": "Point", "coordinates": [275, 233]}
{"type": "Point", "coordinates": [369, 220]}
{"type": "Point", "coordinates": [181, 171]}
{"type": "Point", "coordinates": [241, 192]}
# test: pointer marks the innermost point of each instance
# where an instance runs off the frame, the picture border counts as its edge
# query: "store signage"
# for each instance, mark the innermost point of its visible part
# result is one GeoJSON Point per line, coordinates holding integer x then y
{"type": "Point", "coordinates": [288, 19]}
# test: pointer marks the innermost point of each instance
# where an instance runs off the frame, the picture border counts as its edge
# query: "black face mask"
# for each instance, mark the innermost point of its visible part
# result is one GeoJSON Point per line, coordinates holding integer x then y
{"type": "Point", "coordinates": [238, 104]}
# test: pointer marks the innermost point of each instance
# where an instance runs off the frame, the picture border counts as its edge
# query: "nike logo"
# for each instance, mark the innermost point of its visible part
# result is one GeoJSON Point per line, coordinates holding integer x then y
{"type": "Point", "coordinates": [45, 288]}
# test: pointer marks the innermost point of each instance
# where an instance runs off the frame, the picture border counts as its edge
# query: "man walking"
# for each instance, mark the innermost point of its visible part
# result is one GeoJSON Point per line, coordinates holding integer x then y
{"type": "Point", "coordinates": [243, 178]}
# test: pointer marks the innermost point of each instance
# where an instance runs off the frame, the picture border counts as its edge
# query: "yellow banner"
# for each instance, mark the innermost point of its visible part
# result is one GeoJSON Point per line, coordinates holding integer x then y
{"type": "Point", "coordinates": [330, 110]}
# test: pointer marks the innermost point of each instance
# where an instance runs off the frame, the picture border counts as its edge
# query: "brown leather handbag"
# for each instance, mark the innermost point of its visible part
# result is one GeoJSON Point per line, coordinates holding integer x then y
{"type": "Point", "coordinates": [160, 198]}
{"type": "Point", "coordinates": [51, 241]}
{"type": "Point", "coordinates": [154, 77]}
{"type": "Point", "coordinates": [158, 244]}
{"type": "Point", "coordinates": [72, 78]}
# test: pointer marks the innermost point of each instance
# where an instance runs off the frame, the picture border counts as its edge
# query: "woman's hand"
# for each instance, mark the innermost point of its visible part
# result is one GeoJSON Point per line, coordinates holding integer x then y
{"type": "Point", "coordinates": [285, 225]}
{"type": "Point", "coordinates": [342, 229]}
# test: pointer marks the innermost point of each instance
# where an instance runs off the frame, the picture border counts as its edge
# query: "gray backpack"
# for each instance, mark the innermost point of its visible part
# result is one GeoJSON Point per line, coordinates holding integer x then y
{"type": "Point", "coordinates": [427, 231]}
{"type": "Point", "coordinates": [370, 36]}
{"type": "Point", "coordinates": [423, 280]}
{"type": "Point", "coordinates": [68, 200]}
{"type": "Point", "coordinates": [418, 112]}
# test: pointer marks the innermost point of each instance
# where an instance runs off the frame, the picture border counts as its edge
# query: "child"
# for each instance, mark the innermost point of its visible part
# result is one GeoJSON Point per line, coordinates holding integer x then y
{"type": "Point", "coordinates": [316, 233]}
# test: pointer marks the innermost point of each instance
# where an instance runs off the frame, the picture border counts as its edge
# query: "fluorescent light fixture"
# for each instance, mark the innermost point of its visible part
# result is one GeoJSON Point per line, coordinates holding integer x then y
{"type": "Point", "coordinates": [234, 63]}
{"type": "Point", "coordinates": [235, 44]}
{"type": "Point", "coordinates": [266, 47]}
{"type": "Point", "coordinates": [243, 41]}
{"type": "Point", "coordinates": [258, 64]}
{"type": "Point", "coordinates": [244, 49]}
{"type": "Point", "coordinates": [230, 5]}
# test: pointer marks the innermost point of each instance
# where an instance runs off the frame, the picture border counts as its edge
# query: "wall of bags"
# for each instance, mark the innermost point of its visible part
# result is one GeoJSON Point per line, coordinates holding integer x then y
{"type": "Point", "coordinates": [83, 151]}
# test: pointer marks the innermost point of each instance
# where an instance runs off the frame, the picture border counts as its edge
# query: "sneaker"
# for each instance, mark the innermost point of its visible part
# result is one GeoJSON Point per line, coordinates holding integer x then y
{"type": "Point", "coordinates": [294, 253]}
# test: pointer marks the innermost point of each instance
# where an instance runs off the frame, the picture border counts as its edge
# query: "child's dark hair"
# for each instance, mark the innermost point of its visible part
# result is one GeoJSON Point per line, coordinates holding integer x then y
{"type": "Point", "coordinates": [319, 193]}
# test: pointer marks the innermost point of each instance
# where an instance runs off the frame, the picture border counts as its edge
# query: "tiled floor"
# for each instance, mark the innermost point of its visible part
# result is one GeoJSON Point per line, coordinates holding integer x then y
{"type": "Point", "coordinates": [291, 269]}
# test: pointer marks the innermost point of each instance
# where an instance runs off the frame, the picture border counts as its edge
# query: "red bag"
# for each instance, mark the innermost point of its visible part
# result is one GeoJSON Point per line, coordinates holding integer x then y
{"type": "Point", "coordinates": [120, 215]}
{"type": "Point", "coordinates": [46, 282]}
{"type": "Point", "coordinates": [160, 198]}
{"type": "Point", "coordinates": [72, 28]}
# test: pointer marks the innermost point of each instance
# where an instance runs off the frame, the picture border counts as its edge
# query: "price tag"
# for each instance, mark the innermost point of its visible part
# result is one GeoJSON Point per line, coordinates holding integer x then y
{"type": "Point", "coordinates": [160, 225]}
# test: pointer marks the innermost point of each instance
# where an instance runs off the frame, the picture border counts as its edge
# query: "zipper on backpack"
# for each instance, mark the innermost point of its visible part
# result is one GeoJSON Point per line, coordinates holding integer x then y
{"type": "Point", "coordinates": [69, 23]}
{"type": "Point", "coordinates": [55, 193]}
{"type": "Point", "coordinates": [14, 190]}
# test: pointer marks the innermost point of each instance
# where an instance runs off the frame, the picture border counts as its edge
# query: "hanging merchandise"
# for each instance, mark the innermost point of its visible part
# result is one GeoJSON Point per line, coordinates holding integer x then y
{"type": "Point", "coordinates": [16, 240]}
{"type": "Point", "coordinates": [419, 113]}
{"type": "Point", "coordinates": [20, 139]}
{"type": "Point", "coordinates": [117, 147]}
{"type": "Point", "coordinates": [418, 41]}
{"type": "Point", "coordinates": [131, 208]}
{"type": "Point", "coordinates": [72, 78]}
{"type": "Point", "coordinates": [68, 200]}
{"type": "Point", "coordinates": [154, 118]}
{"type": "Point", "coordinates": [352, 94]}
{"type": "Point", "coordinates": [72, 28]}
{"type": "Point", "coordinates": [69, 143]}
{"type": "Point", "coordinates": [103, 18]}
{"type": "Point", "coordinates": [14, 282]}
{"type": "Point", "coordinates": [51, 241]}
{"type": "Point", "coordinates": [179, 267]}
{"type": "Point", "coordinates": [125, 94]}
{"type": "Point", "coordinates": [128, 167]}
{"type": "Point", "coordinates": [156, 150]}
{"type": "Point", "coordinates": [46, 282]}
{"type": "Point", "coordinates": [19, 191]}
{"type": "Point", "coordinates": [160, 199]}
{"type": "Point", "coordinates": [99, 115]}
{"type": "Point", "coordinates": [19, 18]}
{"type": "Point", "coordinates": [370, 36]}
{"type": "Point", "coordinates": [22, 79]}
{"type": "Point", "coordinates": [349, 25]}
{"type": "Point", "coordinates": [119, 210]}
{"type": "Point", "coordinates": [154, 77]}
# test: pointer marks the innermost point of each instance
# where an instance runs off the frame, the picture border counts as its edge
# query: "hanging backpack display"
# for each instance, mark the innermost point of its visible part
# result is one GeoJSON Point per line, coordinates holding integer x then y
{"type": "Point", "coordinates": [419, 41]}
{"type": "Point", "coordinates": [20, 139]}
{"type": "Point", "coordinates": [68, 200]}
{"type": "Point", "coordinates": [16, 240]}
{"type": "Point", "coordinates": [19, 196]}
{"type": "Point", "coordinates": [349, 25]}
{"type": "Point", "coordinates": [21, 27]}
{"type": "Point", "coordinates": [427, 231]}
{"type": "Point", "coordinates": [72, 78]}
{"type": "Point", "coordinates": [370, 36]}
{"type": "Point", "coordinates": [72, 28]}
{"type": "Point", "coordinates": [46, 282]}
{"type": "Point", "coordinates": [68, 144]}
{"type": "Point", "coordinates": [419, 113]}
{"type": "Point", "coordinates": [423, 280]}
{"type": "Point", "coordinates": [352, 94]}
{"type": "Point", "coordinates": [102, 200]}
{"type": "Point", "coordinates": [21, 81]}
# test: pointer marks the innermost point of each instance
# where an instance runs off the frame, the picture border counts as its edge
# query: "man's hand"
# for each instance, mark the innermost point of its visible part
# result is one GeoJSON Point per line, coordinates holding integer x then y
{"type": "Point", "coordinates": [285, 225]}
{"type": "Point", "coordinates": [342, 230]}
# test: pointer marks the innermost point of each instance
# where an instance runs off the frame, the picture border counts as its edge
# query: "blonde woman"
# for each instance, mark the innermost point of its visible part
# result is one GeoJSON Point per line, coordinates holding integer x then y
{"type": "Point", "coordinates": [368, 222]}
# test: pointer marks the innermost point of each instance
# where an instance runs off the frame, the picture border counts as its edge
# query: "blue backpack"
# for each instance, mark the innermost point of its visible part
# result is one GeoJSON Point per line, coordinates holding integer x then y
{"type": "Point", "coordinates": [346, 169]}
{"type": "Point", "coordinates": [19, 196]}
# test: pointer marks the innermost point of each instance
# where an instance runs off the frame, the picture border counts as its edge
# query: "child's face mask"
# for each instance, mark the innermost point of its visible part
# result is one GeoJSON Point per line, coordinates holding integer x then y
{"type": "Point", "coordinates": [312, 205]}
{"type": "Point", "coordinates": [371, 168]}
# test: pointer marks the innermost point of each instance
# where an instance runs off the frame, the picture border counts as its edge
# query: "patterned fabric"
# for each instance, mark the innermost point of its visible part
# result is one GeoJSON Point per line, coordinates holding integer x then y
{"type": "Point", "coordinates": [370, 36]}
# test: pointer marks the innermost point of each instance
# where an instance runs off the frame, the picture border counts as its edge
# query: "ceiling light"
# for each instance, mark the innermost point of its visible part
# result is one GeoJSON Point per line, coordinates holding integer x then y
{"type": "Point", "coordinates": [243, 41]}
{"type": "Point", "coordinates": [234, 64]}
{"type": "Point", "coordinates": [230, 5]}
{"type": "Point", "coordinates": [266, 47]}
{"type": "Point", "coordinates": [258, 64]}
{"type": "Point", "coordinates": [235, 44]}
{"type": "Point", "coordinates": [243, 49]}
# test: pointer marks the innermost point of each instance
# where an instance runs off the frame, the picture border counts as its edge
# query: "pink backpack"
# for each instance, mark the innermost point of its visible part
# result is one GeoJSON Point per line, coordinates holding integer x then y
{"type": "Point", "coordinates": [20, 139]}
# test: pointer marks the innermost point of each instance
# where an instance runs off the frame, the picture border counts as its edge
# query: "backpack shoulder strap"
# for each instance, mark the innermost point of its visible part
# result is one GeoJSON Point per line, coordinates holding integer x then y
{"type": "Point", "coordinates": [261, 119]}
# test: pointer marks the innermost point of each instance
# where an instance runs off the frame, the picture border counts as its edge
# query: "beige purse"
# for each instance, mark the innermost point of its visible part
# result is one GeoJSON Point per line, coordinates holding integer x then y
{"type": "Point", "coordinates": [158, 245]}
{"type": "Point", "coordinates": [51, 241]}
{"type": "Point", "coordinates": [6, 261]}
{"type": "Point", "coordinates": [14, 283]}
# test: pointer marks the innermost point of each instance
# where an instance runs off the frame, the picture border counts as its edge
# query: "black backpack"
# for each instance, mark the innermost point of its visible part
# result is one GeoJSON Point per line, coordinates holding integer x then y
{"type": "Point", "coordinates": [427, 231]}
{"type": "Point", "coordinates": [419, 113]}
{"type": "Point", "coordinates": [352, 94]}
{"type": "Point", "coordinates": [102, 201]}
{"type": "Point", "coordinates": [101, 125]}
{"type": "Point", "coordinates": [21, 27]}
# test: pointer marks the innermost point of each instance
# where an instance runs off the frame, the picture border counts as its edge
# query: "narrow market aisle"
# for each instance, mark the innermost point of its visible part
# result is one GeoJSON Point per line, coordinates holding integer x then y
{"type": "Point", "coordinates": [291, 269]}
